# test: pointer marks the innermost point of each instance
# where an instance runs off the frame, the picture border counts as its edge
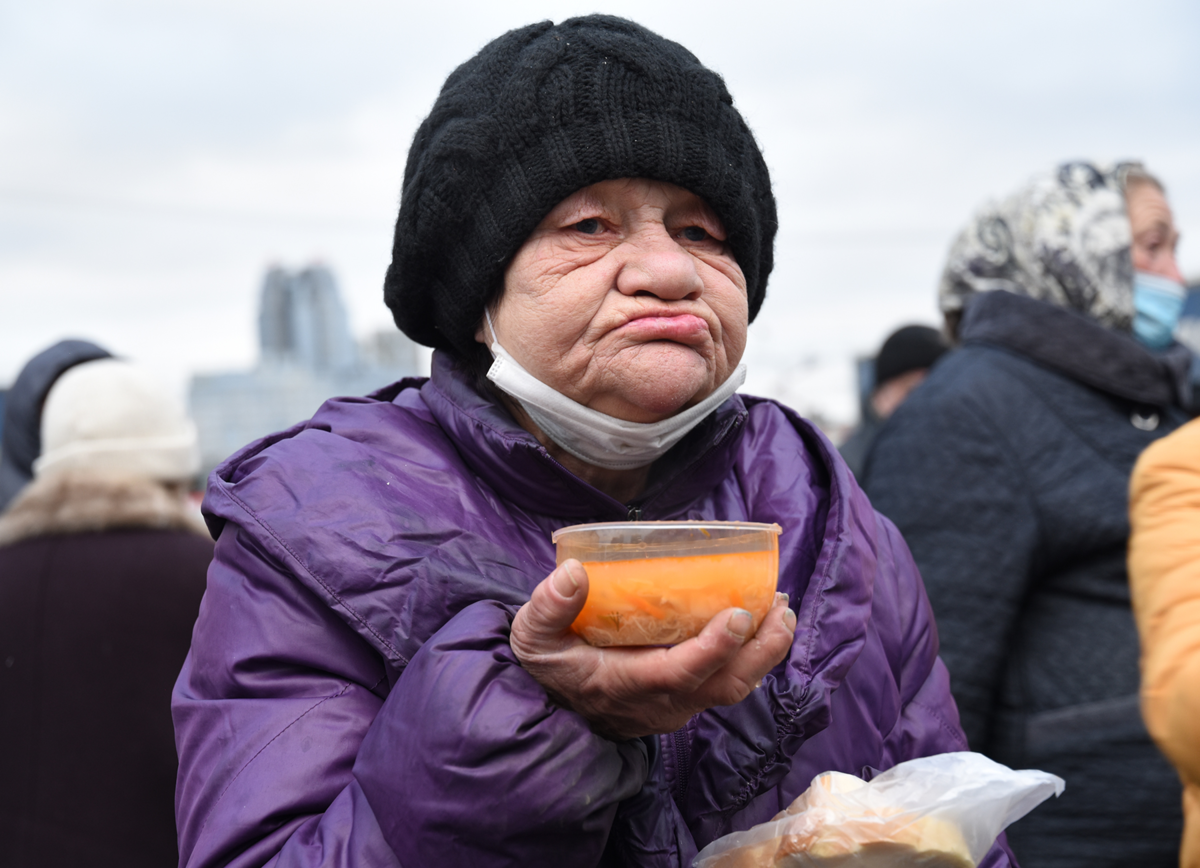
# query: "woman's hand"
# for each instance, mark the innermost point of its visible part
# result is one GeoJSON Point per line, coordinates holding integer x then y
{"type": "Point", "coordinates": [630, 692]}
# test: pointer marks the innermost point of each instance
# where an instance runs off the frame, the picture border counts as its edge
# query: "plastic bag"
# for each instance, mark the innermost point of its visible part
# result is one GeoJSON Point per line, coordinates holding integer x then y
{"type": "Point", "coordinates": [941, 811]}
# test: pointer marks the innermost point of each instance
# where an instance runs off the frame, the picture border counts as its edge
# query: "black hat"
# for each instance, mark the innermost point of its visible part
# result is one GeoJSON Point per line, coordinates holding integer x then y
{"type": "Point", "coordinates": [908, 349]}
{"type": "Point", "coordinates": [544, 111]}
{"type": "Point", "coordinates": [22, 428]}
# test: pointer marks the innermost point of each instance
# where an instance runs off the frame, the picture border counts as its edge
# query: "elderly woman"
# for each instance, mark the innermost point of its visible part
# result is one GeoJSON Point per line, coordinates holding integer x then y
{"type": "Point", "coordinates": [383, 670]}
{"type": "Point", "coordinates": [1008, 472]}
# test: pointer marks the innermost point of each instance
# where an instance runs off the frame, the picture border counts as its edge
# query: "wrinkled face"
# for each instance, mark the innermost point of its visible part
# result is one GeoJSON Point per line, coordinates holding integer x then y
{"type": "Point", "coordinates": [626, 299]}
{"type": "Point", "coordinates": [1154, 235]}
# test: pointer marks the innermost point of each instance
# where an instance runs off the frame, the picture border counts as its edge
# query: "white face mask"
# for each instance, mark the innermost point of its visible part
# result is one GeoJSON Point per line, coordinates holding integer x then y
{"type": "Point", "coordinates": [590, 435]}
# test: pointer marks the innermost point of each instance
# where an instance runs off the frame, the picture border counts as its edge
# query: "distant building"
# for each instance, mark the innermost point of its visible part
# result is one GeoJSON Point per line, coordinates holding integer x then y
{"type": "Point", "coordinates": [307, 355]}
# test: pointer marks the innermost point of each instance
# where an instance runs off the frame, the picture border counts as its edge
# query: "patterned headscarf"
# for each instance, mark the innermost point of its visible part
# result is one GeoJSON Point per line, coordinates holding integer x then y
{"type": "Point", "coordinates": [1063, 238]}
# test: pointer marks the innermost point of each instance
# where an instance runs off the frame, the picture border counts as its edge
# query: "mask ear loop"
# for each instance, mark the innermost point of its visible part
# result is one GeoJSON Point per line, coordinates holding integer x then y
{"type": "Point", "coordinates": [487, 315]}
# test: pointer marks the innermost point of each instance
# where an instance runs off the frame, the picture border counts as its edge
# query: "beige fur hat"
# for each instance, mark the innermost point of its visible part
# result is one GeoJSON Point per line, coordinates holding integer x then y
{"type": "Point", "coordinates": [114, 417]}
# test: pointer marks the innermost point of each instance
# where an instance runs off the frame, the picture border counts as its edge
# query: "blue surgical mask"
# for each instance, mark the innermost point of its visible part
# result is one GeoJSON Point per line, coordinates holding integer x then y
{"type": "Point", "coordinates": [1157, 304]}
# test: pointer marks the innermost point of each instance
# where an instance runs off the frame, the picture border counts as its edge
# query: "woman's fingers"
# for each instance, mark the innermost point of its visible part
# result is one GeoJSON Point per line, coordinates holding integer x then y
{"type": "Point", "coordinates": [555, 603]}
{"type": "Point", "coordinates": [685, 668]}
{"type": "Point", "coordinates": [719, 667]}
{"type": "Point", "coordinates": [754, 660]}
{"type": "Point", "coordinates": [626, 692]}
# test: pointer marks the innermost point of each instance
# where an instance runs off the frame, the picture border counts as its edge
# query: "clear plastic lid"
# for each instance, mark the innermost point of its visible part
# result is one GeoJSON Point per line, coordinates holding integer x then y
{"type": "Point", "coordinates": [621, 540]}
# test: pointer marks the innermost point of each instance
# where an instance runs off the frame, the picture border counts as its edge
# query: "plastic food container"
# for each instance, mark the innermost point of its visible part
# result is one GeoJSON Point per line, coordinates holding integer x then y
{"type": "Point", "coordinates": [660, 582]}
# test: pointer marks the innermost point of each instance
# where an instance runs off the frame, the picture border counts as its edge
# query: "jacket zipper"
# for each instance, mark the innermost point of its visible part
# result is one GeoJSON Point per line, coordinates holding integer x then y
{"type": "Point", "coordinates": [682, 764]}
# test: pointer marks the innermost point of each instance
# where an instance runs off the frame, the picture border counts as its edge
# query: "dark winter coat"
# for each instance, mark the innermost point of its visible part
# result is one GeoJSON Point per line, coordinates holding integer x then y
{"type": "Point", "coordinates": [1007, 472]}
{"type": "Point", "coordinates": [351, 697]}
{"type": "Point", "coordinates": [857, 447]}
{"type": "Point", "coordinates": [100, 582]}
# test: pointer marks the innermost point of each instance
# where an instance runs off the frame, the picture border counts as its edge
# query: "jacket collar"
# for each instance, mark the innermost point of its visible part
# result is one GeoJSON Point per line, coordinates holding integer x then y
{"type": "Point", "coordinates": [1079, 347]}
{"type": "Point", "coordinates": [510, 459]}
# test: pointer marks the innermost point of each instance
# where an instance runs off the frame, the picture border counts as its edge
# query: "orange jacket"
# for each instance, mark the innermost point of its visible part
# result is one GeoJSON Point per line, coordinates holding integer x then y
{"type": "Point", "coordinates": [1164, 574]}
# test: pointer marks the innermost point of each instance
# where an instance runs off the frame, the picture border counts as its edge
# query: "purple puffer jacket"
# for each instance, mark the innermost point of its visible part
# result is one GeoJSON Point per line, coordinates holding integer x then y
{"type": "Point", "coordinates": [351, 698]}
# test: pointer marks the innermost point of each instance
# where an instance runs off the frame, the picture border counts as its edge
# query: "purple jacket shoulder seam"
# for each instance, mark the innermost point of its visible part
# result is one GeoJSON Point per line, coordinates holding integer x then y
{"type": "Point", "coordinates": [387, 646]}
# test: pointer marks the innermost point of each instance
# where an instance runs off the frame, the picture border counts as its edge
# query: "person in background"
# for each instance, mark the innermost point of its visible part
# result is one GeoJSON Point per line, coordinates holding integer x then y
{"type": "Point", "coordinates": [903, 363]}
{"type": "Point", "coordinates": [20, 438]}
{"type": "Point", "coordinates": [1007, 473]}
{"type": "Point", "coordinates": [1164, 577]}
{"type": "Point", "coordinates": [1188, 330]}
{"type": "Point", "coordinates": [102, 567]}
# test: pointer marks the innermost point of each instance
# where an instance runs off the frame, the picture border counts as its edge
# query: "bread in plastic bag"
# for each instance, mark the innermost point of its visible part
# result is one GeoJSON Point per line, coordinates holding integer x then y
{"type": "Point", "coordinates": [941, 811]}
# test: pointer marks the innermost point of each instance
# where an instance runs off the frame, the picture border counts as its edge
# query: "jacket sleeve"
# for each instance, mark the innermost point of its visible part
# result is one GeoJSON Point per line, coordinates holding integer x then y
{"type": "Point", "coordinates": [1164, 575]}
{"type": "Point", "coordinates": [293, 750]}
{"type": "Point", "coordinates": [928, 721]}
{"type": "Point", "coordinates": [946, 478]}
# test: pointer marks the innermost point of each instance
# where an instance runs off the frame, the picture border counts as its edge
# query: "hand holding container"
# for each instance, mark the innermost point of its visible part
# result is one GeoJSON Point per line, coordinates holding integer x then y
{"type": "Point", "coordinates": [660, 582]}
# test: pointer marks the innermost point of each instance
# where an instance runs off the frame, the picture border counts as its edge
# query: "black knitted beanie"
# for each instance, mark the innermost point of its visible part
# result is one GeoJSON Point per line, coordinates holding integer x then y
{"type": "Point", "coordinates": [544, 111]}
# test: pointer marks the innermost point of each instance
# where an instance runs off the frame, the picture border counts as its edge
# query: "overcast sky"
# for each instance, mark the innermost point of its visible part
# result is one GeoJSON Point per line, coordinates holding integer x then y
{"type": "Point", "coordinates": [156, 156]}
